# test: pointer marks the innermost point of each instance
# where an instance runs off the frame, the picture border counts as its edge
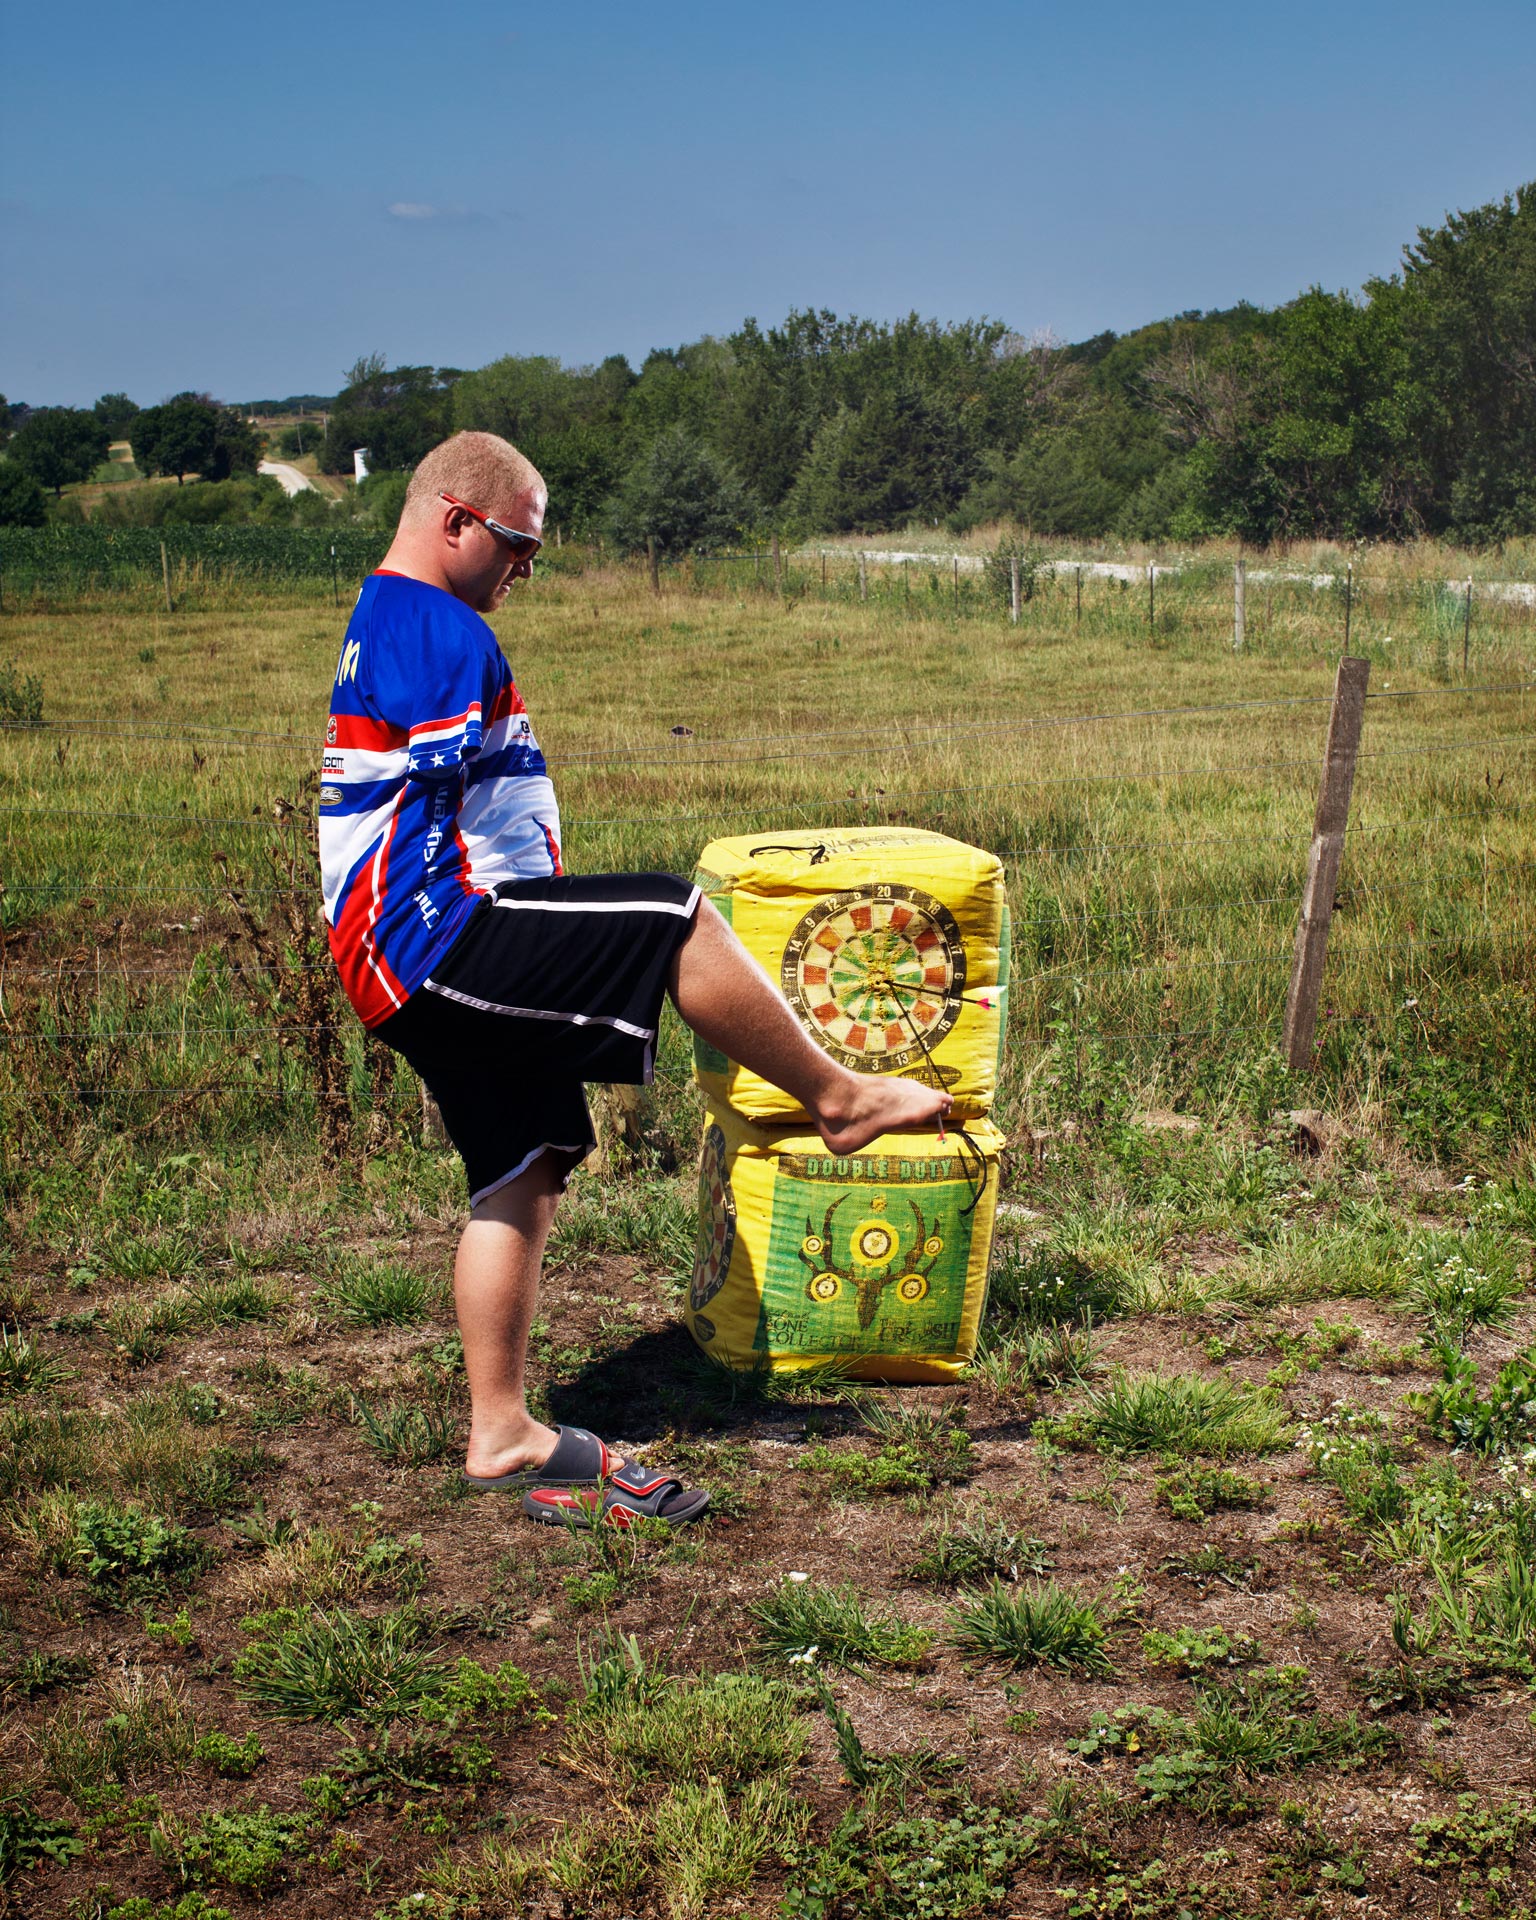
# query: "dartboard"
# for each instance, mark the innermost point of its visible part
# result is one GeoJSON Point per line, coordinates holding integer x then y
{"type": "Point", "coordinates": [876, 975]}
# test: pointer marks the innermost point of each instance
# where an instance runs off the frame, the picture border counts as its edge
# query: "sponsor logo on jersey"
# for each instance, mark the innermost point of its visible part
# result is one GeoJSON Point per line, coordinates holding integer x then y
{"type": "Point", "coordinates": [330, 796]}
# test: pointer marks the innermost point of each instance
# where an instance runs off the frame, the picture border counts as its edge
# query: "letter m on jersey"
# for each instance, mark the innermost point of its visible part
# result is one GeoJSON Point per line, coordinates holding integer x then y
{"type": "Point", "coordinates": [351, 653]}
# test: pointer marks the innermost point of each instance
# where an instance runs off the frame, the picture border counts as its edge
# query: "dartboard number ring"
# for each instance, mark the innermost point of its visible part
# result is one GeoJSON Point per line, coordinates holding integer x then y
{"type": "Point", "coordinates": [876, 976]}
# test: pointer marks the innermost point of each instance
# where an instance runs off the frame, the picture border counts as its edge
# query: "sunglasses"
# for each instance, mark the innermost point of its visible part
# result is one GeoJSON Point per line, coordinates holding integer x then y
{"type": "Point", "coordinates": [524, 545]}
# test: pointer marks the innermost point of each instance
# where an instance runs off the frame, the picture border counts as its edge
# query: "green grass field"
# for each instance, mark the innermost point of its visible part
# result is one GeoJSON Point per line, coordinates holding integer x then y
{"type": "Point", "coordinates": [1207, 1591]}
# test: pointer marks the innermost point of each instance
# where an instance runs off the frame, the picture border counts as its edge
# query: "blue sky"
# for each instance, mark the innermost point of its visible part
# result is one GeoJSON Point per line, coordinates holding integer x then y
{"type": "Point", "coordinates": [244, 200]}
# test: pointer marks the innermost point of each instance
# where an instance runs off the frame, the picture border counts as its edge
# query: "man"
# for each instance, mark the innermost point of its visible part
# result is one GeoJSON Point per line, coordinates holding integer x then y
{"type": "Point", "coordinates": [505, 983]}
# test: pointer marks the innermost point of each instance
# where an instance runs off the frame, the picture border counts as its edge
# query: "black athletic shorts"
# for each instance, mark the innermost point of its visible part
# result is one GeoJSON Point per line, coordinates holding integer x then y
{"type": "Point", "coordinates": [551, 984]}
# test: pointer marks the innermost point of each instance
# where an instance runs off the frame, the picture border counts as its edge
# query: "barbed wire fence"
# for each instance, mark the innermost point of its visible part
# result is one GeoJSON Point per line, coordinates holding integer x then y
{"type": "Point", "coordinates": [79, 1027]}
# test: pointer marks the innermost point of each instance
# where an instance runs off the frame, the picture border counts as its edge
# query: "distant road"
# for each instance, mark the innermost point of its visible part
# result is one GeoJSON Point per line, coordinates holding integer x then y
{"type": "Point", "coordinates": [288, 478]}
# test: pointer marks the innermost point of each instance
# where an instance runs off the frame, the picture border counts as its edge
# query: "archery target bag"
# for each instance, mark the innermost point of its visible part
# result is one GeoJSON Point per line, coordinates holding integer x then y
{"type": "Point", "coordinates": [890, 944]}
{"type": "Point", "coordinates": [876, 1260]}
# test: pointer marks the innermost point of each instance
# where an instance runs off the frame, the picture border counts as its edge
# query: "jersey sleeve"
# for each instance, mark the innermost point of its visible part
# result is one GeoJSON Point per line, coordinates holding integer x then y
{"type": "Point", "coordinates": [450, 680]}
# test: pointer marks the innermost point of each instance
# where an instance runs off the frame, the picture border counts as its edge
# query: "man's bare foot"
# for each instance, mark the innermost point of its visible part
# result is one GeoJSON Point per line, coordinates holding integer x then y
{"type": "Point", "coordinates": [520, 1449]}
{"type": "Point", "coordinates": [875, 1104]}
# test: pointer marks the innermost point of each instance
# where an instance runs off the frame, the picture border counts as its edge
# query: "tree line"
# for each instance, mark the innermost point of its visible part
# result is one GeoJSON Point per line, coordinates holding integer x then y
{"type": "Point", "coordinates": [1408, 409]}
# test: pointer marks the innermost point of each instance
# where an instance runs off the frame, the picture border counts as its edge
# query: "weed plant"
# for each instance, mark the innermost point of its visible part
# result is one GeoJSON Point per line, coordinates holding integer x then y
{"type": "Point", "coordinates": [247, 1852]}
{"type": "Point", "coordinates": [895, 1865]}
{"type": "Point", "coordinates": [130, 1727]}
{"type": "Point", "coordinates": [920, 1448]}
{"type": "Point", "coordinates": [366, 1293]}
{"type": "Point", "coordinates": [1039, 1625]}
{"type": "Point", "coordinates": [333, 1665]}
{"type": "Point", "coordinates": [407, 1434]}
{"type": "Point", "coordinates": [806, 1622]}
{"type": "Point", "coordinates": [25, 1368]}
{"type": "Point", "coordinates": [1191, 1492]}
{"type": "Point", "coordinates": [975, 1550]}
{"type": "Point", "coordinates": [1173, 1414]}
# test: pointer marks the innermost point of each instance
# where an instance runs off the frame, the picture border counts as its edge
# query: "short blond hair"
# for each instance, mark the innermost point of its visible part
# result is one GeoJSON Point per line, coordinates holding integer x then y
{"type": "Point", "coordinates": [480, 468]}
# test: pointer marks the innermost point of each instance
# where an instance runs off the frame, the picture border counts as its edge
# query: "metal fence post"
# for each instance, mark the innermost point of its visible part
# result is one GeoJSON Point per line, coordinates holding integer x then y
{"type": "Point", "coordinates": [1151, 598]}
{"type": "Point", "coordinates": [1466, 629]}
{"type": "Point", "coordinates": [1344, 723]}
{"type": "Point", "coordinates": [1349, 600]}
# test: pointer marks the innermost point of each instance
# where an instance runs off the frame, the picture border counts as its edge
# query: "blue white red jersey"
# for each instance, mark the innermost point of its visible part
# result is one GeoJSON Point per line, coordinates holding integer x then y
{"type": "Point", "coordinates": [433, 789]}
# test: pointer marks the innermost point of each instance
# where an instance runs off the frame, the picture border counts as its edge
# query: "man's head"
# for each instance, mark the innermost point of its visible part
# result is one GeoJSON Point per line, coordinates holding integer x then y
{"type": "Point", "coordinates": [445, 540]}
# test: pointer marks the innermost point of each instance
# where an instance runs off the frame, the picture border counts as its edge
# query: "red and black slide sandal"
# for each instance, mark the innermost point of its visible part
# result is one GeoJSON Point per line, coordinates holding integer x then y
{"type": "Point", "coordinates": [633, 1493]}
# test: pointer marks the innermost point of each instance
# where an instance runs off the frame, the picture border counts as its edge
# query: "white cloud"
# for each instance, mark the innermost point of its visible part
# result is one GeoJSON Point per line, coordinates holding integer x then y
{"type": "Point", "coordinates": [413, 210]}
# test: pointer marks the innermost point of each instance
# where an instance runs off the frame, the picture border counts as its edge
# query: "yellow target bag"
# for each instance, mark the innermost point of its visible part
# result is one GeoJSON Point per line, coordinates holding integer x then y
{"type": "Point", "coordinates": [890, 943]}
{"type": "Point", "coordinates": [876, 1259]}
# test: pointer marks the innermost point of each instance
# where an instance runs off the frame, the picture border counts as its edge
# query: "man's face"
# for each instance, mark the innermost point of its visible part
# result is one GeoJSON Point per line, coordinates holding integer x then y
{"type": "Point", "coordinates": [481, 567]}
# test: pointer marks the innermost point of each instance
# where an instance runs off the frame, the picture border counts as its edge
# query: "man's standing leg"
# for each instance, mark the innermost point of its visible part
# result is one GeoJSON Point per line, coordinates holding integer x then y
{"type": "Point", "coordinates": [496, 1289]}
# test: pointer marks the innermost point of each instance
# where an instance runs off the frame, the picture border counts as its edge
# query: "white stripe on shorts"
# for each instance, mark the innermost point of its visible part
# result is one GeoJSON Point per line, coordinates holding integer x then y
{"type": "Point", "coordinates": [683, 912]}
{"type": "Point", "coordinates": [539, 1013]}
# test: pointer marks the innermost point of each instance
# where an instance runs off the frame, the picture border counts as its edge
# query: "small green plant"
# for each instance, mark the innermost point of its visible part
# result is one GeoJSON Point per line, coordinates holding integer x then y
{"type": "Point", "coordinates": [229, 1303]}
{"type": "Point", "coordinates": [1194, 1649]}
{"type": "Point", "coordinates": [365, 1294]}
{"type": "Point", "coordinates": [920, 1448]}
{"type": "Point", "coordinates": [976, 1550]}
{"type": "Point", "coordinates": [92, 1746]}
{"type": "Point", "coordinates": [191, 1906]}
{"type": "Point", "coordinates": [38, 1673]}
{"type": "Point", "coordinates": [1191, 1492]}
{"type": "Point", "coordinates": [123, 1550]}
{"type": "Point", "coordinates": [25, 1368]}
{"type": "Point", "coordinates": [1042, 1286]}
{"type": "Point", "coordinates": [230, 1758]}
{"type": "Point", "coordinates": [1173, 1414]}
{"type": "Point", "coordinates": [1457, 1412]}
{"type": "Point", "coordinates": [1042, 1624]}
{"type": "Point", "coordinates": [806, 1623]}
{"type": "Point", "coordinates": [21, 697]}
{"type": "Point", "coordinates": [405, 1434]}
{"type": "Point", "coordinates": [246, 1851]}
{"type": "Point", "coordinates": [27, 1839]}
{"type": "Point", "coordinates": [917, 1867]}
{"type": "Point", "coordinates": [1030, 1358]}
{"type": "Point", "coordinates": [333, 1665]}
{"type": "Point", "coordinates": [1473, 1285]}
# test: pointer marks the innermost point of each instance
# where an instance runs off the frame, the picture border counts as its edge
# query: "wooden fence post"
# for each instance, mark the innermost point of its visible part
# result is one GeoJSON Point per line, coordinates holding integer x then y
{"type": "Point", "coordinates": [1151, 598]}
{"type": "Point", "coordinates": [1344, 723]}
{"type": "Point", "coordinates": [1466, 629]}
{"type": "Point", "coordinates": [778, 565]}
{"type": "Point", "coordinates": [650, 548]}
{"type": "Point", "coordinates": [863, 578]}
{"type": "Point", "coordinates": [433, 1132]}
{"type": "Point", "coordinates": [165, 575]}
{"type": "Point", "coordinates": [1013, 590]}
{"type": "Point", "coordinates": [1239, 603]}
{"type": "Point", "coordinates": [1077, 618]}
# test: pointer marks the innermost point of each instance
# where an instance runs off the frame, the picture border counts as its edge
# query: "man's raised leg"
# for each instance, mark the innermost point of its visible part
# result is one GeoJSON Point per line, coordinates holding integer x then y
{"type": "Point", "coordinates": [726, 997]}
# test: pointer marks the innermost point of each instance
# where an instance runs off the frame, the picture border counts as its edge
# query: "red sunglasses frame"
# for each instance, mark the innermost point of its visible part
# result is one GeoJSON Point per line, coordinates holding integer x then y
{"type": "Point", "coordinates": [524, 545]}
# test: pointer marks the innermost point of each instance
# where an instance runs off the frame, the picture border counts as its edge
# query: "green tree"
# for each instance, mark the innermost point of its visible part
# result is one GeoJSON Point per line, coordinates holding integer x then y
{"type": "Point", "coordinates": [899, 457]}
{"type": "Point", "coordinates": [177, 437]}
{"type": "Point", "coordinates": [680, 494]}
{"type": "Point", "coordinates": [59, 445]}
{"type": "Point", "coordinates": [21, 498]}
{"type": "Point", "coordinates": [116, 413]}
{"type": "Point", "coordinates": [1468, 299]}
{"type": "Point", "coordinates": [398, 414]}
